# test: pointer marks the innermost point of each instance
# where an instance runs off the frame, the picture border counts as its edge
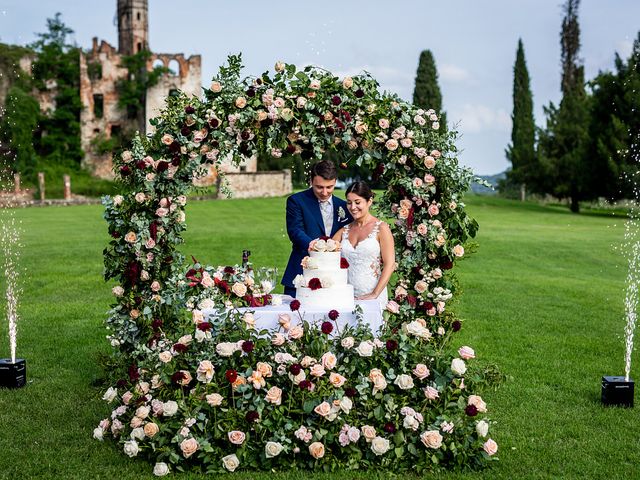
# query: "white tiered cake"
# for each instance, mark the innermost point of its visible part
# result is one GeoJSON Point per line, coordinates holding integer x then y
{"type": "Point", "coordinates": [323, 284]}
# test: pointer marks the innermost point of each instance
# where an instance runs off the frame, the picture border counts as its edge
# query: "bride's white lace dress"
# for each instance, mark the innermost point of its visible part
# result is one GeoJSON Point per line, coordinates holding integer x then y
{"type": "Point", "coordinates": [365, 263]}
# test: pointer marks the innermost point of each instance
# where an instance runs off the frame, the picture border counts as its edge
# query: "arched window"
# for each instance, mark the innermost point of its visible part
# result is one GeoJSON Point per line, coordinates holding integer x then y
{"type": "Point", "coordinates": [174, 67]}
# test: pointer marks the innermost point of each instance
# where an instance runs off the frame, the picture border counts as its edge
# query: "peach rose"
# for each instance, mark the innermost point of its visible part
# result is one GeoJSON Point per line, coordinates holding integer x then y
{"type": "Point", "coordinates": [130, 237]}
{"type": "Point", "coordinates": [214, 399]}
{"type": "Point", "coordinates": [421, 286]}
{"type": "Point", "coordinates": [189, 446]}
{"type": "Point", "coordinates": [279, 66]}
{"type": "Point", "coordinates": [328, 361]}
{"type": "Point", "coordinates": [151, 429]}
{"type": "Point", "coordinates": [314, 85]}
{"type": "Point", "coordinates": [476, 401]}
{"type": "Point", "coordinates": [278, 339]}
{"type": "Point", "coordinates": [377, 378]}
{"type": "Point", "coordinates": [316, 450]}
{"type": "Point", "coordinates": [317, 370]}
{"type": "Point", "coordinates": [167, 139]}
{"type": "Point", "coordinates": [265, 369]}
{"type": "Point", "coordinates": [490, 447]}
{"type": "Point", "coordinates": [347, 82]}
{"type": "Point", "coordinates": [274, 395]}
{"type": "Point", "coordinates": [296, 332]}
{"type": "Point", "coordinates": [431, 439]}
{"type": "Point", "coordinates": [284, 319]}
{"type": "Point", "coordinates": [323, 409]}
{"type": "Point", "coordinates": [391, 144]}
{"type": "Point", "coordinates": [236, 437]}
{"type": "Point", "coordinates": [383, 123]}
{"type": "Point", "coordinates": [239, 289]}
{"type": "Point", "coordinates": [429, 162]}
{"type": "Point", "coordinates": [368, 432]}
{"type": "Point", "coordinates": [165, 357]}
{"type": "Point", "coordinates": [185, 379]}
{"type": "Point", "coordinates": [433, 210]}
{"type": "Point", "coordinates": [205, 371]}
{"type": "Point", "coordinates": [422, 229]}
{"type": "Point", "coordinates": [241, 102]}
{"type": "Point", "coordinates": [458, 250]}
{"type": "Point", "coordinates": [215, 87]}
{"type": "Point", "coordinates": [336, 379]}
{"type": "Point", "coordinates": [421, 371]}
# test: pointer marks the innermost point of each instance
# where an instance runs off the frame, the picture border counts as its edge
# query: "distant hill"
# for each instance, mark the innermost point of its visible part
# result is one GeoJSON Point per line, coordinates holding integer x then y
{"type": "Point", "coordinates": [492, 179]}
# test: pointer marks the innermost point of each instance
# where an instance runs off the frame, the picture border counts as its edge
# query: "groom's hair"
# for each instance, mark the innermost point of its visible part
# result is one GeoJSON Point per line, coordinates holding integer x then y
{"type": "Point", "coordinates": [325, 169]}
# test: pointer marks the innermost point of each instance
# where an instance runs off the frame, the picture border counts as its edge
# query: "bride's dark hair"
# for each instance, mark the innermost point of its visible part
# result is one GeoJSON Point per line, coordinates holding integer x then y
{"type": "Point", "coordinates": [361, 189]}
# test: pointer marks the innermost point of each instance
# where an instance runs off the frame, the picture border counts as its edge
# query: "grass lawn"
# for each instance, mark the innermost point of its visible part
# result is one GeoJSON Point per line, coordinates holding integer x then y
{"type": "Point", "coordinates": [543, 299]}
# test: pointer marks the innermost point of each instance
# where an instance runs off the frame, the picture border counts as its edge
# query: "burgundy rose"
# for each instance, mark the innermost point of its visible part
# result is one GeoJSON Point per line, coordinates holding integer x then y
{"type": "Point", "coordinates": [156, 324]}
{"type": "Point", "coordinates": [214, 123]}
{"type": "Point", "coordinates": [295, 368]}
{"type": "Point", "coordinates": [391, 345]}
{"type": "Point", "coordinates": [339, 123]}
{"type": "Point", "coordinates": [456, 325]}
{"type": "Point", "coordinates": [186, 131]}
{"type": "Point", "coordinates": [245, 135]}
{"type": "Point", "coordinates": [290, 149]}
{"type": "Point", "coordinates": [294, 305]}
{"type": "Point", "coordinates": [389, 427]}
{"type": "Point", "coordinates": [125, 170]}
{"type": "Point", "coordinates": [346, 115]}
{"type": "Point", "coordinates": [231, 375]}
{"type": "Point", "coordinates": [258, 81]}
{"type": "Point", "coordinates": [306, 154]}
{"type": "Point", "coordinates": [132, 272]}
{"type": "Point", "coordinates": [331, 131]}
{"type": "Point", "coordinates": [327, 328]}
{"type": "Point", "coordinates": [344, 263]}
{"type": "Point", "coordinates": [143, 399]}
{"type": "Point", "coordinates": [315, 284]}
{"type": "Point", "coordinates": [350, 392]}
{"type": "Point", "coordinates": [133, 373]}
{"type": "Point", "coordinates": [410, 218]}
{"type": "Point", "coordinates": [178, 377]}
{"type": "Point", "coordinates": [180, 347]}
{"type": "Point", "coordinates": [252, 416]}
{"type": "Point", "coordinates": [333, 314]}
{"type": "Point", "coordinates": [427, 306]}
{"type": "Point", "coordinates": [116, 234]}
{"type": "Point", "coordinates": [121, 383]}
{"type": "Point", "coordinates": [248, 346]}
{"type": "Point", "coordinates": [189, 110]}
{"type": "Point", "coordinates": [471, 410]}
{"type": "Point", "coordinates": [336, 100]}
{"type": "Point", "coordinates": [162, 166]}
{"type": "Point", "coordinates": [141, 165]}
{"type": "Point", "coordinates": [323, 237]}
{"type": "Point", "coordinates": [244, 149]}
{"type": "Point", "coordinates": [359, 93]}
{"type": "Point", "coordinates": [175, 161]}
{"type": "Point", "coordinates": [446, 264]}
{"type": "Point", "coordinates": [215, 144]}
{"type": "Point", "coordinates": [204, 326]}
{"type": "Point", "coordinates": [174, 147]}
{"type": "Point", "coordinates": [137, 300]}
{"type": "Point", "coordinates": [305, 385]}
{"type": "Point", "coordinates": [153, 231]}
{"type": "Point", "coordinates": [251, 93]}
{"type": "Point", "coordinates": [412, 300]}
{"type": "Point", "coordinates": [229, 270]}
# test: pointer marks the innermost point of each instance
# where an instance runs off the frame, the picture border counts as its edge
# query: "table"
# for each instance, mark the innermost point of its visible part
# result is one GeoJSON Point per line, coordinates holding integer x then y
{"type": "Point", "coordinates": [267, 317]}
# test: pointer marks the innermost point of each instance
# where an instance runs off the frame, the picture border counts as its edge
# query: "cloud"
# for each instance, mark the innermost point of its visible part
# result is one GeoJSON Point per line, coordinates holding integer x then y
{"type": "Point", "coordinates": [453, 73]}
{"type": "Point", "coordinates": [475, 118]}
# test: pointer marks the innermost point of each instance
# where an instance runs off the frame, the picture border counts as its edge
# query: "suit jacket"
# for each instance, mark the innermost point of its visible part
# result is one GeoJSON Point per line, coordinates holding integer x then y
{"type": "Point", "coordinates": [304, 223]}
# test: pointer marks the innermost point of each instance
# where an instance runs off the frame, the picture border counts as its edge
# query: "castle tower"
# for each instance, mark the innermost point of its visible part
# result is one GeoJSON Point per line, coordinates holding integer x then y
{"type": "Point", "coordinates": [133, 26]}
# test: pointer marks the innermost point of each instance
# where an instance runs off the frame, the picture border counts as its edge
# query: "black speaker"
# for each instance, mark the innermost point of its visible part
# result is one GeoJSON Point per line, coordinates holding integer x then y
{"type": "Point", "coordinates": [617, 391]}
{"type": "Point", "coordinates": [13, 375]}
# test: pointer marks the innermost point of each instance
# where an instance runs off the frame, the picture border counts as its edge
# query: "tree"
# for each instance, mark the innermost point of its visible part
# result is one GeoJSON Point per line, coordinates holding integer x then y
{"type": "Point", "coordinates": [614, 145]}
{"type": "Point", "coordinates": [18, 123]}
{"type": "Point", "coordinates": [57, 69]}
{"type": "Point", "coordinates": [562, 146]}
{"type": "Point", "coordinates": [521, 152]}
{"type": "Point", "coordinates": [426, 93]}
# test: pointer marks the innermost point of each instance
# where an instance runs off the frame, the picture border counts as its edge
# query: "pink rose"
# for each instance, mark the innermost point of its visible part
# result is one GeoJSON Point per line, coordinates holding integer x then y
{"type": "Point", "coordinates": [433, 210]}
{"type": "Point", "coordinates": [241, 102]}
{"type": "Point", "coordinates": [296, 332]}
{"type": "Point", "coordinates": [393, 307]}
{"type": "Point", "coordinates": [317, 370]}
{"type": "Point", "coordinates": [431, 393]}
{"type": "Point", "coordinates": [167, 139]}
{"type": "Point", "coordinates": [431, 439]}
{"type": "Point", "coordinates": [328, 361]}
{"type": "Point", "coordinates": [274, 395]}
{"type": "Point", "coordinates": [429, 162]}
{"type": "Point", "coordinates": [216, 87]}
{"type": "Point", "coordinates": [422, 229]}
{"type": "Point", "coordinates": [126, 398]}
{"type": "Point", "coordinates": [383, 123]}
{"type": "Point", "coordinates": [421, 371]}
{"type": "Point", "coordinates": [490, 447]}
{"type": "Point", "coordinates": [429, 179]}
{"type": "Point", "coordinates": [391, 144]}
{"type": "Point", "coordinates": [236, 437]}
{"type": "Point", "coordinates": [189, 446]}
{"type": "Point", "coordinates": [316, 449]}
{"type": "Point", "coordinates": [466, 352]}
{"type": "Point", "coordinates": [323, 409]}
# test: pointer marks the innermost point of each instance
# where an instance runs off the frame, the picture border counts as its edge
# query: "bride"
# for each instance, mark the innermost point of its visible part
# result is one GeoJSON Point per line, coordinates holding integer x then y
{"type": "Point", "coordinates": [367, 244]}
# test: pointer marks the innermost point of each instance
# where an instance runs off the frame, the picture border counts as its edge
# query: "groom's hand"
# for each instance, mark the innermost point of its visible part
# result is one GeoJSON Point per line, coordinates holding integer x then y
{"type": "Point", "coordinates": [311, 244]}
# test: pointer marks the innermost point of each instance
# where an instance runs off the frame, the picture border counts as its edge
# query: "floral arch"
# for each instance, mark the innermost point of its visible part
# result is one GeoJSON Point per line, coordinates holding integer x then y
{"type": "Point", "coordinates": [216, 394]}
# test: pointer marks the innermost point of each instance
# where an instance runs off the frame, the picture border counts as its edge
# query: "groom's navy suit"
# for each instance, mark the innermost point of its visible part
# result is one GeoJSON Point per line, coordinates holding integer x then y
{"type": "Point", "coordinates": [304, 224]}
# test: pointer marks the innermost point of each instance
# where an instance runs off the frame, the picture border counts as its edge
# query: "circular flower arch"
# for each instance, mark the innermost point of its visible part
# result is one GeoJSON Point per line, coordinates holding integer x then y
{"type": "Point", "coordinates": [213, 392]}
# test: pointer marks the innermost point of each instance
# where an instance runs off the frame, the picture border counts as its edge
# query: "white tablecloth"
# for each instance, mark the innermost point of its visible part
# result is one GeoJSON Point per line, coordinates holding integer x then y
{"type": "Point", "coordinates": [267, 317]}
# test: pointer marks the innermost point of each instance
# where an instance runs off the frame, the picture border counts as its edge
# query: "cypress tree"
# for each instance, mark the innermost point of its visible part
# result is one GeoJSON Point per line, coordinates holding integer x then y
{"type": "Point", "coordinates": [521, 151]}
{"type": "Point", "coordinates": [563, 146]}
{"type": "Point", "coordinates": [426, 93]}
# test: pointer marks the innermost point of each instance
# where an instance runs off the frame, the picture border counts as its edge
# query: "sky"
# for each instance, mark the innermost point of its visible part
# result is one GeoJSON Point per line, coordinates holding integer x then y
{"type": "Point", "coordinates": [473, 42]}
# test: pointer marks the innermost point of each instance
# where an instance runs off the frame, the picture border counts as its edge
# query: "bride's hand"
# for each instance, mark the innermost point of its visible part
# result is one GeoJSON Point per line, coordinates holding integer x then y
{"type": "Point", "coordinates": [368, 296]}
{"type": "Point", "coordinates": [311, 244]}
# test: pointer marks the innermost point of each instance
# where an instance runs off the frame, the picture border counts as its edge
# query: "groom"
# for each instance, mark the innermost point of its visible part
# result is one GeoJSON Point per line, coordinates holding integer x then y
{"type": "Point", "coordinates": [311, 214]}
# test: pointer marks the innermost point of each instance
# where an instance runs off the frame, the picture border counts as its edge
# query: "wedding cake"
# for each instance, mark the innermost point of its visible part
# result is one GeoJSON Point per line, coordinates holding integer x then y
{"type": "Point", "coordinates": [323, 283]}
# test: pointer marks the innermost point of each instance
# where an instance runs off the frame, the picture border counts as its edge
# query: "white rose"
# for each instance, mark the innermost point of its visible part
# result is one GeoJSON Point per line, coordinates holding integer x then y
{"type": "Point", "coordinates": [160, 469]}
{"type": "Point", "coordinates": [143, 411]}
{"type": "Point", "coordinates": [365, 349]}
{"type": "Point", "coordinates": [379, 445]}
{"type": "Point", "coordinates": [405, 382]}
{"type": "Point", "coordinates": [272, 449]}
{"type": "Point", "coordinates": [169, 408]}
{"type": "Point", "coordinates": [346, 404]}
{"type": "Point", "coordinates": [110, 394]}
{"type": "Point", "coordinates": [98, 433]}
{"type": "Point", "coordinates": [214, 399]}
{"type": "Point", "coordinates": [230, 462]}
{"type": "Point", "coordinates": [137, 434]}
{"type": "Point", "coordinates": [118, 291]}
{"type": "Point", "coordinates": [410, 422]}
{"type": "Point", "coordinates": [458, 366]}
{"type": "Point", "coordinates": [431, 439]}
{"type": "Point", "coordinates": [226, 349]}
{"type": "Point", "coordinates": [347, 342]}
{"type": "Point", "coordinates": [482, 428]}
{"type": "Point", "coordinates": [165, 357]}
{"type": "Point", "coordinates": [131, 448]}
